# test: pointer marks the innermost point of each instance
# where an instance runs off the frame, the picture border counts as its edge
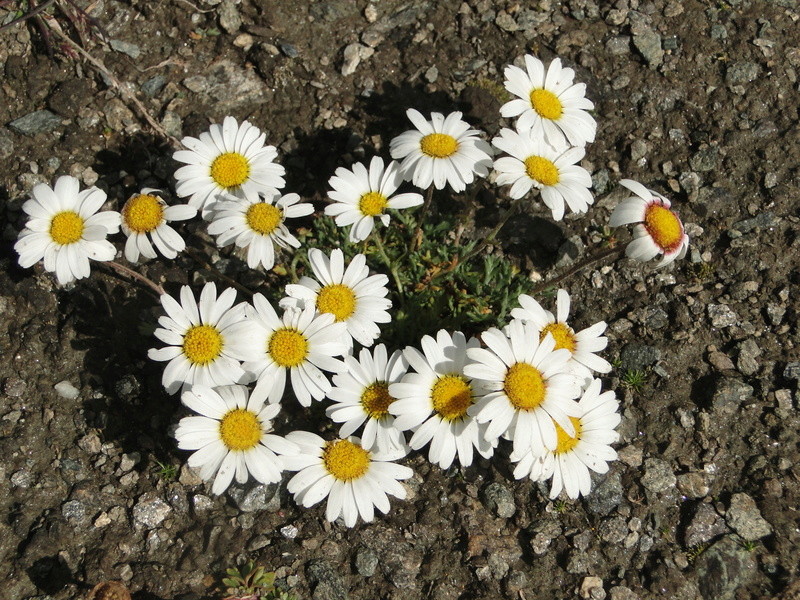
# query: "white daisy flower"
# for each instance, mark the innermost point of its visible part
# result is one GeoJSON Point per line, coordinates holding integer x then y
{"type": "Point", "coordinates": [582, 346]}
{"type": "Point", "coordinates": [301, 344]}
{"type": "Point", "coordinates": [66, 230]}
{"type": "Point", "coordinates": [528, 387]}
{"type": "Point", "coordinates": [549, 103]}
{"type": "Point", "coordinates": [660, 230]}
{"type": "Point", "coordinates": [355, 480]}
{"type": "Point", "coordinates": [257, 222]}
{"type": "Point", "coordinates": [360, 197]}
{"type": "Point", "coordinates": [589, 448]}
{"type": "Point", "coordinates": [351, 294]}
{"type": "Point", "coordinates": [199, 337]}
{"type": "Point", "coordinates": [434, 400]}
{"type": "Point", "coordinates": [227, 158]}
{"type": "Point", "coordinates": [361, 395]}
{"type": "Point", "coordinates": [145, 214]}
{"type": "Point", "coordinates": [550, 168]}
{"type": "Point", "coordinates": [231, 436]}
{"type": "Point", "coordinates": [441, 151]}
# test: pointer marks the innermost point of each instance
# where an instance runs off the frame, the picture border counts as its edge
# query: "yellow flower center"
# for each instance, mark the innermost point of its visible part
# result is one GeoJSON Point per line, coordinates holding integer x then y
{"type": "Point", "coordinates": [345, 460]}
{"type": "Point", "coordinates": [546, 104]}
{"type": "Point", "coordinates": [372, 204]}
{"type": "Point", "coordinates": [240, 429]}
{"type": "Point", "coordinates": [287, 347]}
{"type": "Point", "coordinates": [664, 227]}
{"type": "Point", "coordinates": [438, 145]}
{"type": "Point", "coordinates": [202, 344]}
{"type": "Point", "coordinates": [562, 334]}
{"type": "Point", "coordinates": [143, 213]}
{"type": "Point", "coordinates": [542, 170]}
{"type": "Point", "coordinates": [565, 441]}
{"type": "Point", "coordinates": [338, 300]}
{"type": "Point", "coordinates": [524, 386]}
{"type": "Point", "coordinates": [451, 396]}
{"type": "Point", "coordinates": [264, 218]}
{"type": "Point", "coordinates": [375, 400]}
{"type": "Point", "coordinates": [66, 227]}
{"type": "Point", "coordinates": [230, 170]}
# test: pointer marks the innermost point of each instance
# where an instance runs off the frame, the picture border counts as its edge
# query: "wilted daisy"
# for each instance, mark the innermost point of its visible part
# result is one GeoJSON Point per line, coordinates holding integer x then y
{"type": "Point", "coordinates": [589, 448]}
{"type": "Point", "coordinates": [355, 480]}
{"type": "Point", "coordinates": [145, 215]}
{"type": "Point", "coordinates": [257, 222]}
{"type": "Point", "coordinates": [659, 231]}
{"type": "Point", "coordinates": [434, 400]}
{"type": "Point", "coordinates": [360, 196]}
{"type": "Point", "coordinates": [351, 294]}
{"type": "Point", "coordinates": [301, 345]}
{"type": "Point", "coordinates": [550, 168]}
{"type": "Point", "coordinates": [65, 229]}
{"type": "Point", "coordinates": [199, 339]}
{"type": "Point", "coordinates": [231, 436]}
{"type": "Point", "coordinates": [441, 151]}
{"type": "Point", "coordinates": [227, 158]}
{"type": "Point", "coordinates": [361, 395]}
{"type": "Point", "coordinates": [549, 103]}
{"type": "Point", "coordinates": [582, 345]}
{"type": "Point", "coordinates": [529, 387]}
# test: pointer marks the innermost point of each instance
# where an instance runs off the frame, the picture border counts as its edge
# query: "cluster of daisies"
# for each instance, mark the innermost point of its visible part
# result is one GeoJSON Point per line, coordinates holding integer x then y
{"type": "Point", "coordinates": [532, 383]}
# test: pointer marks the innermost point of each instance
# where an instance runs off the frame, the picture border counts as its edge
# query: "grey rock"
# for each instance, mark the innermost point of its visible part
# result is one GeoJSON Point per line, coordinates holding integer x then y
{"type": "Point", "coordinates": [229, 18]}
{"type": "Point", "coordinates": [601, 181]}
{"type": "Point", "coordinates": [692, 485]}
{"type": "Point", "coordinates": [289, 532]}
{"type": "Point", "coordinates": [256, 498]}
{"type": "Point", "coordinates": [6, 143]}
{"type": "Point", "coordinates": [118, 116]}
{"type": "Point", "coordinates": [648, 43]}
{"type": "Point", "coordinates": [658, 476]}
{"type": "Point", "coordinates": [66, 390]}
{"type": "Point", "coordinates": [705, 525]}
{"type": "Point", "coordinates": [741, 72]}
{"type": "Point", "coordinates": [606, 496]}
{"type": "Point", "coordinates": [372, 37]}
{"type": "Point", "coordinates": [592, 587]}
{"type": "Point", "coordinates": [747, 362]}
{"type": "Point", "coordinates": [150, 512]}
{"type": "Point", "coordinates": [724, 568]}
{"type": "Point", "coordinates": [744, 517]}
{"type": "Point", "coordinates": [74, 511]}
{"type": "Point", "coordinates": [499, 500]}
{"type": "Point", "coordinates": [569, 251]}
{"type": "Point", "coordinates": [258, 542]}
{"type": "Point", "coordinates": [763, 220]}
{"type": "Point", "coordinates": [329, 11]}
{"type": "Point", "coordinates": [516, 582]}
{"type": "Point", "coordinates": [543, 534]}
{"type": "Point", "coordinates": [775, 313]}
{"type": "Point", "coordinates": [581, 562]}
{"type": "Point", "coordinates": [506, 22]}
{"type": "Point", "coordinates": [353, 54]}
{"type": "Point", "coordinates": [39, 121]}
{"type": "Point", "coordinates": [154, 85]}
{"type": "Point", "coordinates": [131, 50]}
{"type": "Point", "coordinates": [129, 461]}
{"type": "Point", "coordinates": [618, 45]}
{"type": "Point", "coordinates": [639, 150]}
{"type": "Point", "coordinates": [289, 50]}
{"type": "Point", "coordinates": [14, 387]}
{"type": "Point", "coordinates": [729, 394]}
{"type": "Point", "coordinates": [721, 361]}
{"type": "Point", "coordinates": [613, 530]}
{"type": "Point", "coordinates": [785, 404]}
{"type": "Point", "coordinates": [620, 592]}
{"type": "Point", "coordinates": [655, 317]}
{"type": "Point", "coordinates": [325, 581]}
{"type": "Point", "coordinates": [722, 315]}
{"type": "Point", "coordinates": [792, 371]}
{"type": "Point", "coordinates": [718, 31]}
{"type": "Point", "coordinates": [705, 159]}
{"type": "Point", "coordinates": [671, 43]}
{"type": "Point", "coordinates": [366, 562]}
{"type": "Point", "coordinates": [637, 356]}
{"type": "Point", "coordinates": [202, 503]}
{"type": "Point", "coordinates": [401, 565]}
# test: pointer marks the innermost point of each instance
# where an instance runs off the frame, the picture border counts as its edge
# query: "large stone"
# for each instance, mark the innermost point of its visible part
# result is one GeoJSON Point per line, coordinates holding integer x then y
{"type": "Point", "coordinates": [729, 395]}
{"type": "Point", "coordinates": [325, 581]}
{"type": "Point", "coordinates": [39, 121]}
{"type": "Point", "coordinates": [705, 526]}
{"type": "Point", "coordinates": [743, 516]}
{"type": "Point", "coordinates": [499, 500]}
{"type": "Point", "coordinates": [724, 568]}
{"type": "Point", "coordinates": [658, 476]}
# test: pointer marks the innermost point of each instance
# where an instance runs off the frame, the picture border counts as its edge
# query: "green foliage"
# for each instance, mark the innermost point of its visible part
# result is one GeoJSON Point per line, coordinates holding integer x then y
{"type": "Point", "coordinates": [561, 506]}
{"type": "Point", "coordinates": [253, 582]}
{"type": "Point", "coordinates": [748, 545]}
{"type": "Point", "coordinates": [634, 379]}
{"type": "Point", "coordinates": [694, 551]}
{"type": "Point", "coordinates": [441, 285]}
{"type": "Point", "coordinates": [166, 471]}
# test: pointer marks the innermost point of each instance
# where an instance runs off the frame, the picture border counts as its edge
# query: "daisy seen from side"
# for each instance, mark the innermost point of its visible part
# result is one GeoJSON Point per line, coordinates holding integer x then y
{"type": "Point", "coordinates": [441, 151]}
{"type": "Point", "coordinates": [198, 337]}
{"type": "Point", "coordinates": [231, 436]}
{"type": "Point", "coordinates": [549, 103]}
{"type": "Point", "coordinates": [257, 221]}
{"type": "Point", "coordinates": [145, 217]}
{"type": "Point", "coordinates": [434, 399]}
{"type": "Point", "coordinates": [65, 229]}
{"type": "Point", "coordinates": [348, 292]}
{"type": "Point", "coordinates": [361, 197]}
{"type": "Point", "coordinates": [300, 345]}
{"type": "Point", "coordinates": [529, 387]}
{"type": "Point", "coordinates": [551, 168]}
{"type": "Point", "coordinates": [230, 157]}
{"type": "Point", "coordinates": [361, 397]}
{"type": "Point", "coordinates": [583, 346]}
{"type": "Point", "coordinates": [575, 455]}
{"type": "Point", "coordinates": [658, 228]}
{"type": "Point", "coordinates": [354, 480]}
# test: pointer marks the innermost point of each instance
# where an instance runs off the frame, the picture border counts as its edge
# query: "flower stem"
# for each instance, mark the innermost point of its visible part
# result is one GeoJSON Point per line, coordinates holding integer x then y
{"type": "Point", "coordinates": [134, 275]}
{"type": "Point", "coordinates": [416, 239]}
{"type": "Point", "coordinates": [577, 267]}
{"type": "Point", "coordinates": [232, 282]}
{"type": "Point", "coordinates": [388, 262]}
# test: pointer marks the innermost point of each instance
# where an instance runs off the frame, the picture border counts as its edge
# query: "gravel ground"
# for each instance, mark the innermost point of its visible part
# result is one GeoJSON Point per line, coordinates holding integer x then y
{"type": "Point", "coordinates": [699, 100]}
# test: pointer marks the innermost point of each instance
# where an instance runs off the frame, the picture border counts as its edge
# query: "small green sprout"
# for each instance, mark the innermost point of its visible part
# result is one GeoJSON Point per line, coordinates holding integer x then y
{"type": "Point", "coordinates": [251, 582]}
{"type": "Point", "coordinates": [694, 551]}
{"type": "Point", "coordinates": [166, 471]}
{"type": "Point", "coordinates": [560, 506]}
{"type": "Point", "coordinates": [748, 545]}
{"type": "Point", "coordinates": [634, 379]}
